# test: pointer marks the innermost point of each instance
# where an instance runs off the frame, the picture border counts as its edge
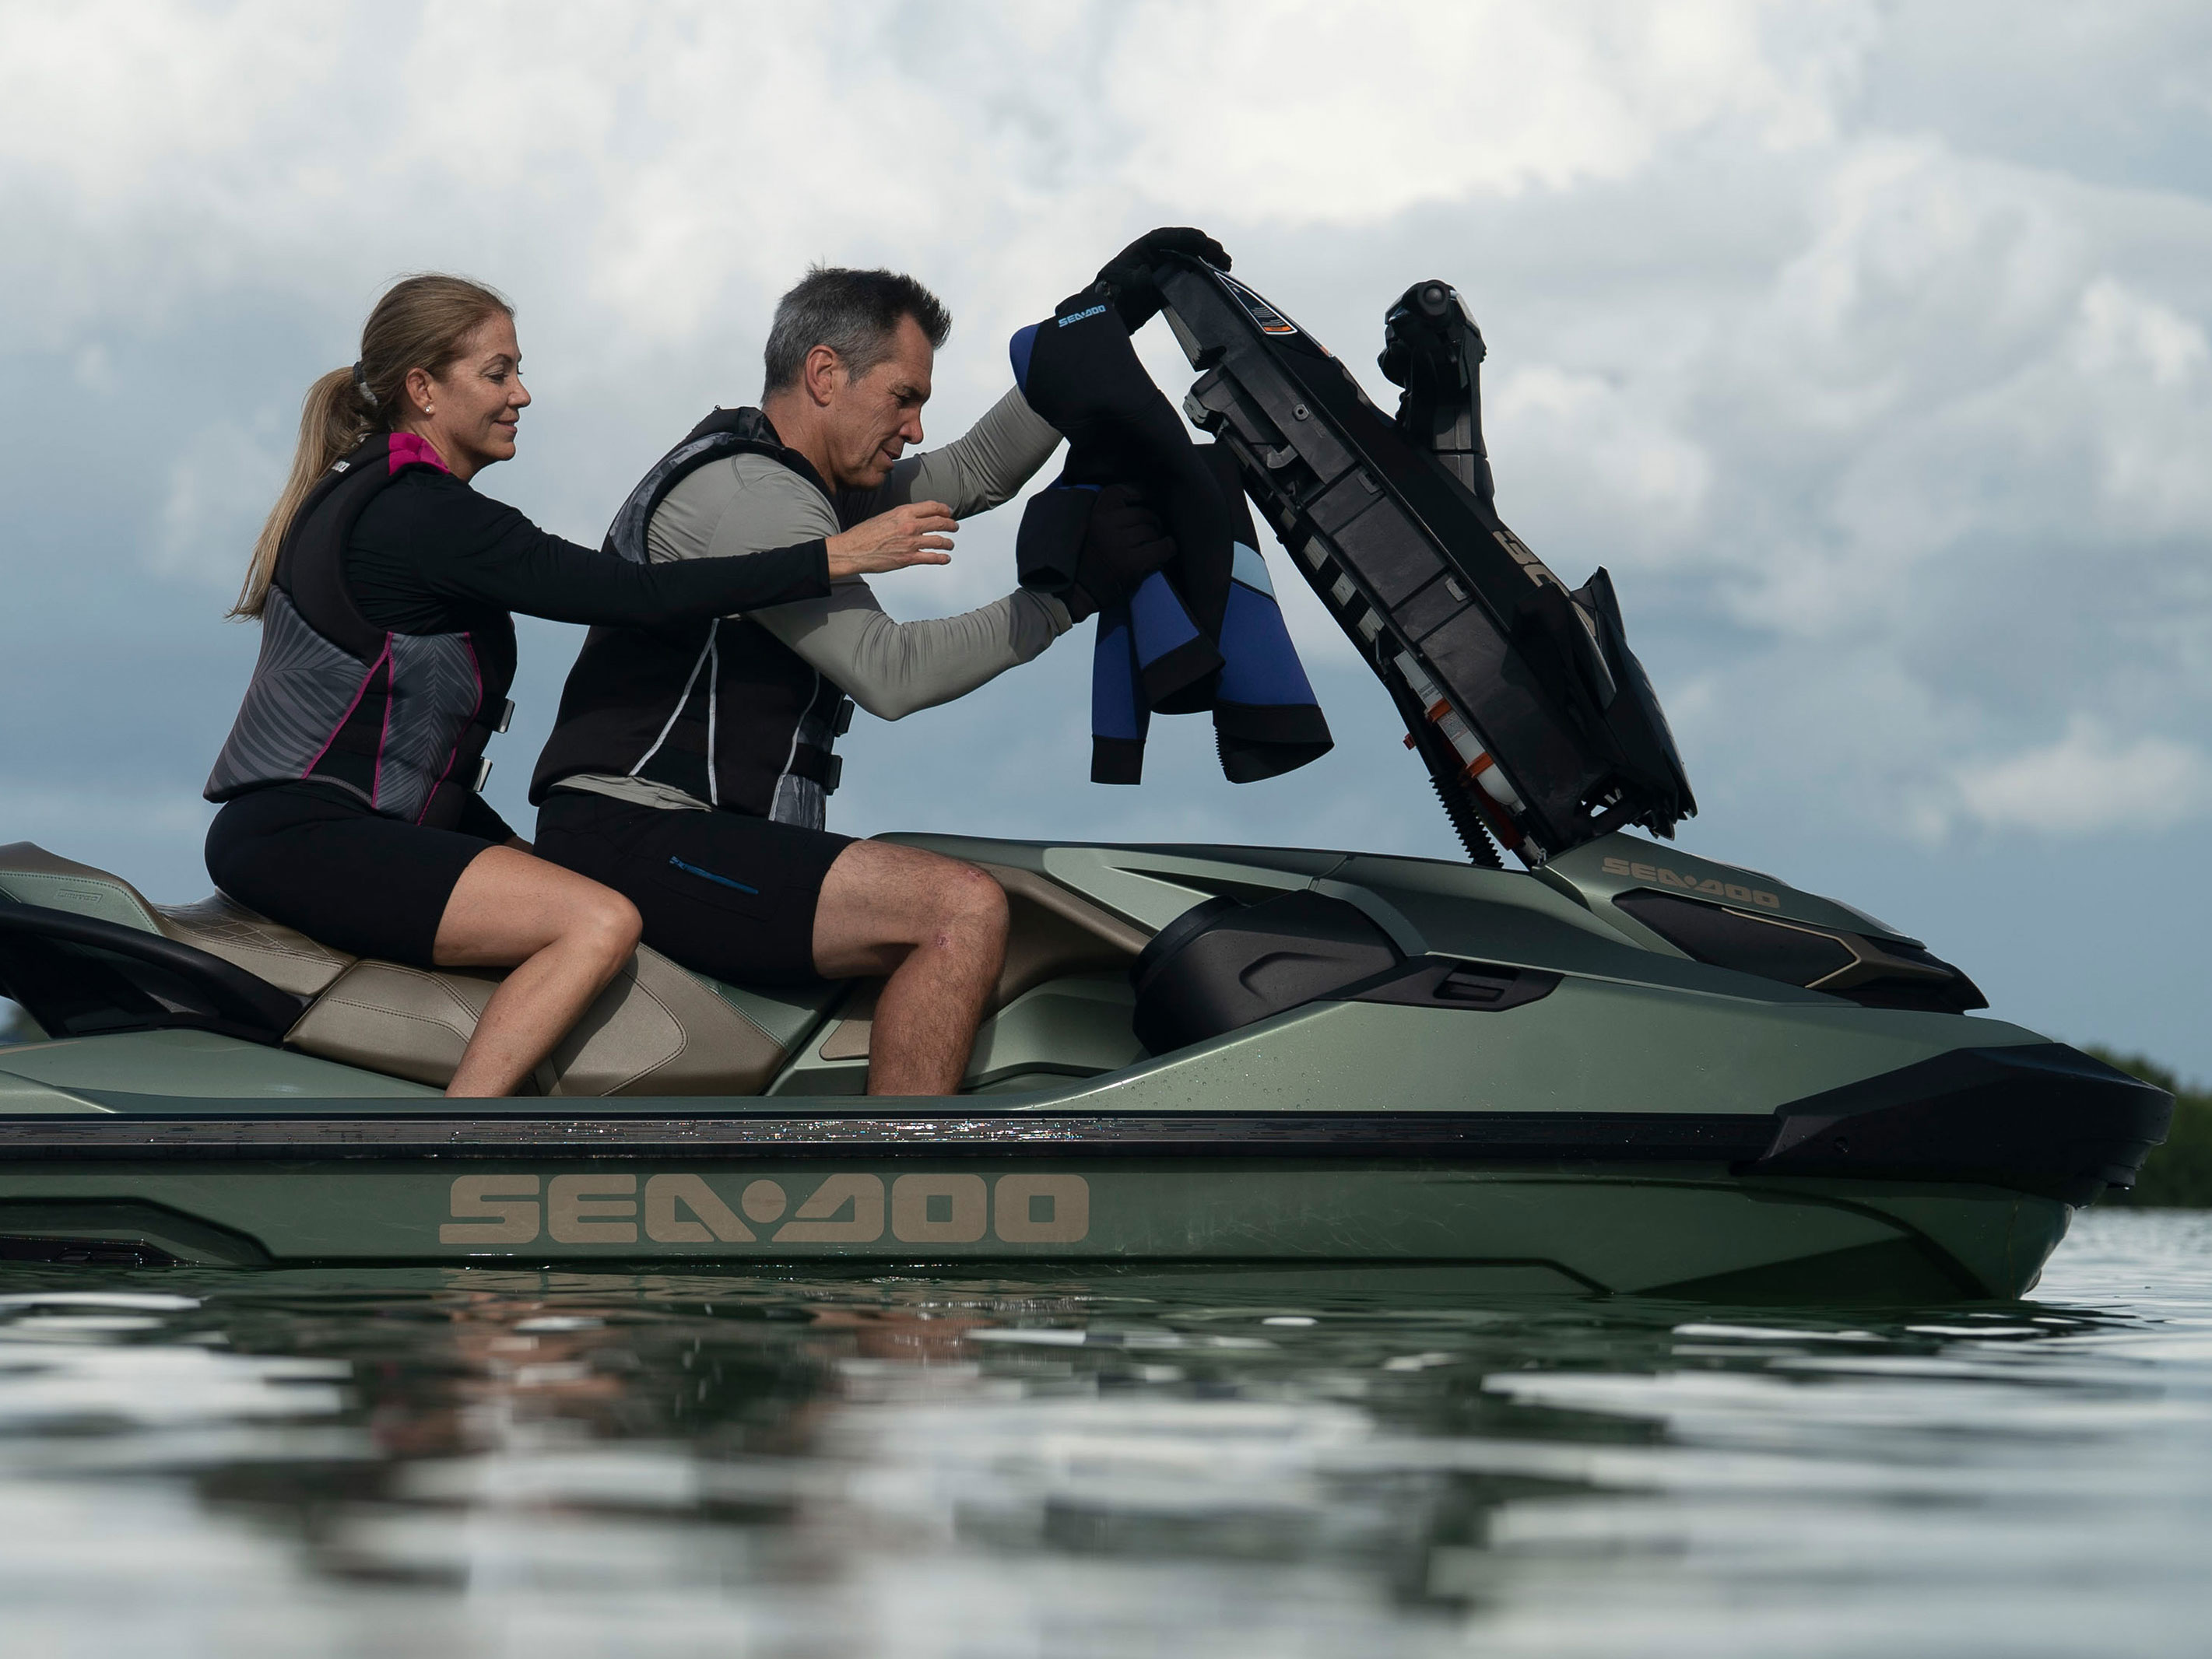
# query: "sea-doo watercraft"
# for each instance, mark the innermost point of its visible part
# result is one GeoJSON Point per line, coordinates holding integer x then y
{"type": "Point", "coordinates": [1622, 1068]}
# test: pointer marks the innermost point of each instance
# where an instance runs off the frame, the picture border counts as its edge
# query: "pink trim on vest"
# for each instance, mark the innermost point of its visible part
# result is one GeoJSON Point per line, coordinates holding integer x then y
{"type": "Point", "coordinates": [468, 640]}
{"type": "Point", "coordinates": [407, 450]}
{"type": "Point", "coordinates": [359, 691]}
{"type": "Point", "coordinates": [384, 732]}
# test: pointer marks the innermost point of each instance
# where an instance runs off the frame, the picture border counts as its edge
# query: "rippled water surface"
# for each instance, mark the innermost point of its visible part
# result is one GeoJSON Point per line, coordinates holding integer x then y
{"type": "Point", "coordinates": [433, 1463]}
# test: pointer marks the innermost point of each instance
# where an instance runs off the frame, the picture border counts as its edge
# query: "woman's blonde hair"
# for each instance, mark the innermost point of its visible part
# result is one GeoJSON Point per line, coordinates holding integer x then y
{"type": "Point", "coordinates": [421, 322]}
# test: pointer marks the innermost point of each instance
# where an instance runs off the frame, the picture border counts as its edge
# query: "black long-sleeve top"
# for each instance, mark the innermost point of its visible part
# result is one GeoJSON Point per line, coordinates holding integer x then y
{"type": "Point", "coordinates": [430, 555]}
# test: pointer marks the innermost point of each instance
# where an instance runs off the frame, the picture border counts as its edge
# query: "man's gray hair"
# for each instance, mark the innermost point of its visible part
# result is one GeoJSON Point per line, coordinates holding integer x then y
{"type": "Point", "coordinates": [855, 313]}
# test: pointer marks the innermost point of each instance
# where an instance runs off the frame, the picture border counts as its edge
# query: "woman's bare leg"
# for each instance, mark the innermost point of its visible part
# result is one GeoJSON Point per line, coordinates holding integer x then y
{"type": "Point", "coordinates": [564, 935]}
{"type": "Point", "coordinates": [938, 927]}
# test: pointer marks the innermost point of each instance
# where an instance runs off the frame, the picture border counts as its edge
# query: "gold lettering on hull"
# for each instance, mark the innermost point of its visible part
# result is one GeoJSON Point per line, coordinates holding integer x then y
{"type": "Point", "coordinates": [1658, 875]}
{"type": "Point", "coordinates": [665, 1191]}
{"type": "Point", "coordinates": [939, 1209]}
{"type": "Point", "coordinates": [681, 1208]}
{"type": "Point", "coordinates": [481, 1195]}
{"type": "Point", "coordinates": [575, 1204]}
{"type": "Point", "coordinates": [822, 1219]}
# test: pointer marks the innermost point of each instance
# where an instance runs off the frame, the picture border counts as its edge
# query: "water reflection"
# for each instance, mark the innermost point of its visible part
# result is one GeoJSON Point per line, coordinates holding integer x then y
{"type": "Point", "coordinates": [433, 1461]}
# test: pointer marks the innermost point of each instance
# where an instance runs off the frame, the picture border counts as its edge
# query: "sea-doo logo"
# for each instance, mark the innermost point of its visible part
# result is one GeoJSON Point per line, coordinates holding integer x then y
{"type": "Point", "coordinates": [840, 1209]}
{"type": "Point", "coordinates": [1095, 310]}
{"type": "Point", "coordinates": [1658, 875]}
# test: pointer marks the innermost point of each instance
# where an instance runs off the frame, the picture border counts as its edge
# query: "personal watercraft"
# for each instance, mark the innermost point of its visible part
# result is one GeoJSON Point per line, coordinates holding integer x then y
{"type": "Point", "coordinates": [1620, 1068]}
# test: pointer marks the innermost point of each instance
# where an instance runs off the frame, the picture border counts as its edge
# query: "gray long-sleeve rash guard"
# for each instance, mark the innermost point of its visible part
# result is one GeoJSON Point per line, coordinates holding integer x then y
{"type": "Point", "coordinates": [750, 503]}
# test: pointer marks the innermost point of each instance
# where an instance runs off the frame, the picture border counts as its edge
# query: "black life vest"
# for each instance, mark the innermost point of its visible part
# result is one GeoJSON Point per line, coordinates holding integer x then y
{"type": "Point", "coordinates": [722, 710]}
{"type": "Point", "coordinates": [400, 720]}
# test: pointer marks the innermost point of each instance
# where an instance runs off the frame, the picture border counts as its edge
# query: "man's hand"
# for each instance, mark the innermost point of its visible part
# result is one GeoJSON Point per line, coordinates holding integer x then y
{"type": "Point", "coordinates": [1129, 274]}
{"type": "Point", "coordinates": [1124, 543]}
{"type": "Point", "coordinates": [917, 534]}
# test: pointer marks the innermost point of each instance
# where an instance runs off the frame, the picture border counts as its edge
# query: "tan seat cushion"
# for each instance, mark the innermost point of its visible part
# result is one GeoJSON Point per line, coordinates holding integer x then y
{"type": "Point", "coordinates": [219, 926]}
{"type": "Point", "coordinates": [656, 1030]}
{"type": "Point", "coordinates": [223, 928]}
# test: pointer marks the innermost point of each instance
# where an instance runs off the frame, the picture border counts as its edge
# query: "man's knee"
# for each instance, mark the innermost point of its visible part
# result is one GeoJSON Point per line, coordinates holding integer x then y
{"type": "Point", "coordinates": [971, 899]}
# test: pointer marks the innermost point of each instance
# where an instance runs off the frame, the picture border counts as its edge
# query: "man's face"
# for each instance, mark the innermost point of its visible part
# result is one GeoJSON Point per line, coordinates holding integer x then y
{"type": "Point", "coordinates": [871, 420]}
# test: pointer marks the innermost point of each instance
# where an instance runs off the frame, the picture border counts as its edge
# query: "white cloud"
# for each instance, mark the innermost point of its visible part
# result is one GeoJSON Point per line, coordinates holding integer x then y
{"type": "Point", "coordinates": [2091, 781]}
{"type": "Point", "coordinates": [1608, 451]}
{"type": "Point", "coordinates": [1318, 113]}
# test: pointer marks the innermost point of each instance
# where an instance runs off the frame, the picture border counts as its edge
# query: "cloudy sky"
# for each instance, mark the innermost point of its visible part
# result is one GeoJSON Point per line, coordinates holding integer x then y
{"type": "Point", "coordinates": [1865, 343]}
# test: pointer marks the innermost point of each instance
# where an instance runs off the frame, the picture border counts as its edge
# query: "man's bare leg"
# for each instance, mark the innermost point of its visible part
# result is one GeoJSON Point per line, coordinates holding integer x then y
{"type": "Point", "coordinates": [937, 927]}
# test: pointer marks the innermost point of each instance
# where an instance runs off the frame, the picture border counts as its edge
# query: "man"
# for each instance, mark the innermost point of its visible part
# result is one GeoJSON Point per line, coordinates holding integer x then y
{"type": "Point", "coordinates": [688, 769]}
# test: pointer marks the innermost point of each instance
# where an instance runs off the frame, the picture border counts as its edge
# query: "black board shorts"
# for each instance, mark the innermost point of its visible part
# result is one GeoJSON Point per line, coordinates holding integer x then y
{"type": "Point", "coordinates": [315, 859]}
{"type": "Point", "coordinates": [723, 893]}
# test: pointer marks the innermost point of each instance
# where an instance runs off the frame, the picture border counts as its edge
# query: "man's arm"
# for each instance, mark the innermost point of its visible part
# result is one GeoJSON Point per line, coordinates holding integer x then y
{"type": "Point", "coordinates": [973, 473]}
{"type": "Point", "coordinates": [748, 503]}
{"type": "Point", "coordinates": [893, 668]}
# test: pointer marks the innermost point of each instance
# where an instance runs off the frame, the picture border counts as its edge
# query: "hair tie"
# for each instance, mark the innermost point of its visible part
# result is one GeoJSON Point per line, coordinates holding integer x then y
{"type": "Point", "coordinates": [361, 384]}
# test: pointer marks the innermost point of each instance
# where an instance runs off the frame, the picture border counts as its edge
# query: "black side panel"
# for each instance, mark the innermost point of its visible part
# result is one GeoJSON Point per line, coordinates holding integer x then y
{"type": "Point", "coordinates": [1448, 982]}
{"type": "Point", "coordinates": [2042, 1118]}
{"type": "Point", "coordinates": [1875, 973]}
{"type": "Point", "coordinates": [1750, 944]}
{"type": "Point", "coordinates": [1238, 963]}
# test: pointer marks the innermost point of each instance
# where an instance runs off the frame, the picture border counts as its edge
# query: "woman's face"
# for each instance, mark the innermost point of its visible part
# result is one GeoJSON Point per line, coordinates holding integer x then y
{"type": "Point", "coordinates": [469, 413]}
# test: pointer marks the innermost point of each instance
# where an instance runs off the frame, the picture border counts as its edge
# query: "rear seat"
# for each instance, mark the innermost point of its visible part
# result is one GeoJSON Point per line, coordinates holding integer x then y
{"type": "Point", "coordinates": [655, 1030]}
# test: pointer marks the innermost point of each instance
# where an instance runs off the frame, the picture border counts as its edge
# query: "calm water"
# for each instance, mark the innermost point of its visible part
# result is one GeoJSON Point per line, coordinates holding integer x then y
{"type": "Point", "coordinates": [431, 1463]}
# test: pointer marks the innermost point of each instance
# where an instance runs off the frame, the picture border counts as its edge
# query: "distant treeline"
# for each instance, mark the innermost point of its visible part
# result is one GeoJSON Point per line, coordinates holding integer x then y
{"type": "Point", "coordinates": [2177, 1175]}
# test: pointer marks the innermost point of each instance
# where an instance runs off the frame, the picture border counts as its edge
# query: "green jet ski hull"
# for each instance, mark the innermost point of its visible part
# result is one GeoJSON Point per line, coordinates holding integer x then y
{"type": "Point", "coordinates": [1628, 1120]}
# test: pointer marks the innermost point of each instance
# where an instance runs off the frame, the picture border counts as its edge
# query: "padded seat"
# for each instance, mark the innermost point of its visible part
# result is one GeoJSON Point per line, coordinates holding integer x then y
{"type": "Point", "coordinates": [219, 926]}
{"type": "Point", "coordinates": [656, 1029]}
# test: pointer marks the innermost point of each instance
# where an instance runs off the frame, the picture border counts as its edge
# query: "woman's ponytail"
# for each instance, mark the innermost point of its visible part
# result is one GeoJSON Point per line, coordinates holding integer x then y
{"type": "Point", "coordinates": [421, 322]}
{"type": "Point", "coordinates": [333, 420]}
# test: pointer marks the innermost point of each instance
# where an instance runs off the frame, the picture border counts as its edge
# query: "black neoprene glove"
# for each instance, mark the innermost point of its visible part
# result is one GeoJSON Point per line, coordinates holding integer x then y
{"type": "Point", "coordinates": [1129, 274]}
{"type": "Point", "coordinates": [1124, 543]}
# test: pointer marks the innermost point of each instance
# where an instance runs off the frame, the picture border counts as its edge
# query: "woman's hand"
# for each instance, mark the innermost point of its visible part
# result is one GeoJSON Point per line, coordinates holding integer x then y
{"type": "Point", "coordinates": [917, 534]}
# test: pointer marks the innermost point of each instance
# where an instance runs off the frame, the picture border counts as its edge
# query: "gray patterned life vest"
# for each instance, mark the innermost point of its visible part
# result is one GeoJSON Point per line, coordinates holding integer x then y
{"type": "Point", "coordinates": [398, 720]}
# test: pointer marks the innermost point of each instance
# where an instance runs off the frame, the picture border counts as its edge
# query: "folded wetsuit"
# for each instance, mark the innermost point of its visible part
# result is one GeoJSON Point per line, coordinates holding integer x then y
{"type": "Point", "coordinates": [1201, 633]}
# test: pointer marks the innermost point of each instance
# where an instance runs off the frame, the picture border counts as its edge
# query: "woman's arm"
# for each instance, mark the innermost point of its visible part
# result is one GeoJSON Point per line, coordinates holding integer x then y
{"type": "Point", "coordinates": [465, 547]}
{"type": "Point", "coordinates": [477, 551]}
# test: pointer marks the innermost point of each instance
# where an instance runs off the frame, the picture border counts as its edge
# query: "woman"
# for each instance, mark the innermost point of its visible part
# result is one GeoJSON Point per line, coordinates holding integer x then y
{"type": "Point", "coordinates": [385, 585]}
